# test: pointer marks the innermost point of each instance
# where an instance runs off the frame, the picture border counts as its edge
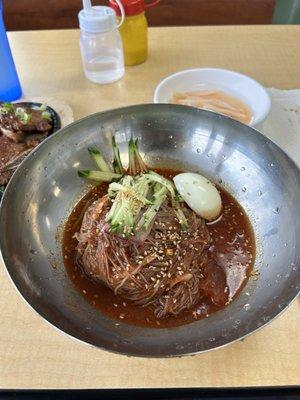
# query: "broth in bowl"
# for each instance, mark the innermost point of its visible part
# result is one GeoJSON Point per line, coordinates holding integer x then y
{"type": "Point", "coordinates": [156, 248]}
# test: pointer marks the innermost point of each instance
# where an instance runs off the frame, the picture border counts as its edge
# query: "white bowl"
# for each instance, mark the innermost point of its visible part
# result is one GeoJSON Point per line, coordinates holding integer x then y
{"type": "Point", "coordinates": [241, 86]}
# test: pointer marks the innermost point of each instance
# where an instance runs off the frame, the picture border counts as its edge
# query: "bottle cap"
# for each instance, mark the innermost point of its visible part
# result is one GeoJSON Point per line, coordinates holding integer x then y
{"type": "Point", "coordinates": [97, 19]}
{"type": "Point", "coordinates": [131, 7]}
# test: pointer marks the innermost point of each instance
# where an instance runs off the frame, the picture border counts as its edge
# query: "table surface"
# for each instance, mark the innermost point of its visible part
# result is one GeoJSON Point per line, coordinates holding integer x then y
{"type": "Point", "coordinates": [32, 353]}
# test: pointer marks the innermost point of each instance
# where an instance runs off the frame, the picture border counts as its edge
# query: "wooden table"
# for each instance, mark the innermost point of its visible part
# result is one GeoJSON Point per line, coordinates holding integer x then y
{"type": "Point", "coordinates": [32, 353]}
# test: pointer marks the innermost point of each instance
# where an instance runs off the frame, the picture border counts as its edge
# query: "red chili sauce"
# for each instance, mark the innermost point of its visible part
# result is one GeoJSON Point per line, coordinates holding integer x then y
{"type": "Point", "coordinates": [233, 248]}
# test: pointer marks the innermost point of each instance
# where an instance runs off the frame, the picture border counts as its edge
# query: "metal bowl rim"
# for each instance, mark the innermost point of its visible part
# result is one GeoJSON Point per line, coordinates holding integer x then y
{"type": "Point", "coordinates": [111, 350]}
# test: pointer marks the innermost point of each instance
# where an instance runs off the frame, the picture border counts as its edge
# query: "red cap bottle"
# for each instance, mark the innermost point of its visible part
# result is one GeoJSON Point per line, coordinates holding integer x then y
{"type": "Point", "coordinates": [132, 7]}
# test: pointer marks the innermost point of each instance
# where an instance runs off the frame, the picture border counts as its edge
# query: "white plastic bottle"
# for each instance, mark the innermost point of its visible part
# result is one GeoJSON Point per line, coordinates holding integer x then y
{"type": "Point", "coordinates": [100, 44]}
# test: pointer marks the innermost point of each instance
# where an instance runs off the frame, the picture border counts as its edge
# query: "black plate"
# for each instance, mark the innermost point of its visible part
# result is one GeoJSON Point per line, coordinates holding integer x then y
{"type": "Point", "coordinates": [55, 122]}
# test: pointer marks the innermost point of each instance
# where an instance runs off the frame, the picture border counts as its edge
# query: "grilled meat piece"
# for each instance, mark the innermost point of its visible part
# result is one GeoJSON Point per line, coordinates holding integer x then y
{"type": "Point", "coordinates": [8, 151]}
{"type": "Point", "coordinates": [22, 129]}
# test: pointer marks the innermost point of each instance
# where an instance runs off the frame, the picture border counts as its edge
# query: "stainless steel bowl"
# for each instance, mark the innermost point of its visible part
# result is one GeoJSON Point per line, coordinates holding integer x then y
{"type": "Point", "coordinates": [44, 189]}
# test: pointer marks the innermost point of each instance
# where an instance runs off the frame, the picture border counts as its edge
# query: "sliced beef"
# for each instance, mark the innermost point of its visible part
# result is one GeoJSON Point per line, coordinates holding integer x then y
{"type": "Point", "coordinates": [21, 129]}
{"type": "Point", "coordinates": [15, 136]}
{"type": "Point", "coordinates": [8, 150]}
{"type": "Point", "coordinates": [36, 122]}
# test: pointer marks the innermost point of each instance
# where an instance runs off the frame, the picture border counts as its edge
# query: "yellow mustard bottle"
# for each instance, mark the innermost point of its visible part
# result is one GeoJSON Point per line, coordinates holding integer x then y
{"type": "Point", "coordinates": [134, 30]}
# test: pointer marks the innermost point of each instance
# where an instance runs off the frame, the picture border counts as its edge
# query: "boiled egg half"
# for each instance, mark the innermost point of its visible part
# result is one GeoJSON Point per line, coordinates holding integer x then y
{"type": "Point", "coordinates": [200, 194]}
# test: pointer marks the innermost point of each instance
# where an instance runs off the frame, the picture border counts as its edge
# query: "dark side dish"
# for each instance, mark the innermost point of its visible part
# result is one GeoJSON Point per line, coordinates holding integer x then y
{"type": "Point", "coordinates": [22, 127]}
{"type": "Point", "coordinates": [156, 248]}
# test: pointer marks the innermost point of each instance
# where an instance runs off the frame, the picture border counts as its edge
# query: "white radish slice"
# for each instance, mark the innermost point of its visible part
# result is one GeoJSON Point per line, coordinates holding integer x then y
{"type": "Point", "coordinates": [200, 194]}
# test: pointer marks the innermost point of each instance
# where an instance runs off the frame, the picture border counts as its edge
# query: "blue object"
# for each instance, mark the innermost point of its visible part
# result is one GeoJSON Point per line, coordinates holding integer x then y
{"type": "Point", "coordinates": [10, 88]}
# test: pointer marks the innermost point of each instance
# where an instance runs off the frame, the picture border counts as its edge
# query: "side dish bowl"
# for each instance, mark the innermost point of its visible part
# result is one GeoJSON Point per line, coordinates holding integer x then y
{"type": "Point", "coordinates": [244, 88]}
{"type": "Point", "coordinates": [45, 188]}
